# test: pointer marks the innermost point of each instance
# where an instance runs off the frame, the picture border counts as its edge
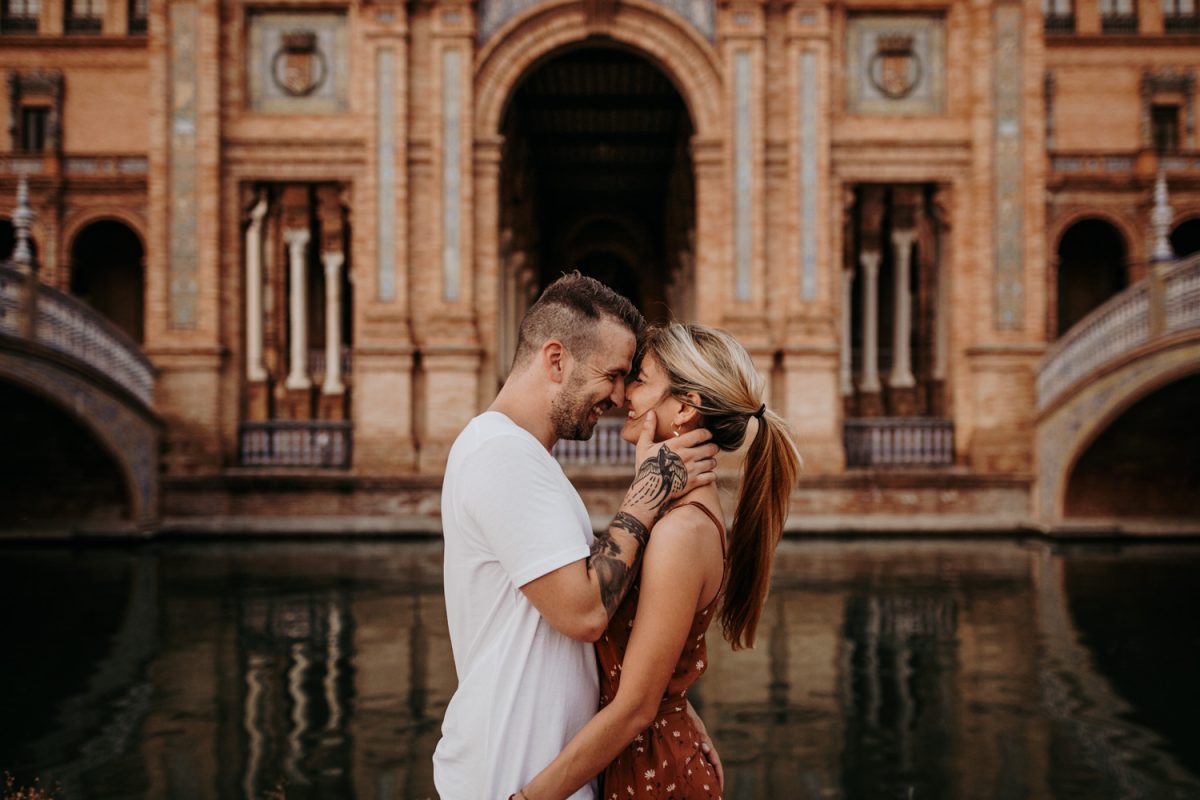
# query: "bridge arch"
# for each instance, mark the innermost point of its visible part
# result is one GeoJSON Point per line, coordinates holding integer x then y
{"type": "Point", "coordinates": [1071, 427]}
{"type": "Point", "coordinates": [128, 434]}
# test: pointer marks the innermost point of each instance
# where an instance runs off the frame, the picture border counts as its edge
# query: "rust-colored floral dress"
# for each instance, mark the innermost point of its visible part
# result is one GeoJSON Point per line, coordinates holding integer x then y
{"type": "Point", "coordinates": [664, 762]}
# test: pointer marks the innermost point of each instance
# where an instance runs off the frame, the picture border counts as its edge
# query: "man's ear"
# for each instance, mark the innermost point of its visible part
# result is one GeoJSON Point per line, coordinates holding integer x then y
{"type": "Point", "coordinates": [555, 360]}
{"type": "Point", "coordinates": [688, 413]}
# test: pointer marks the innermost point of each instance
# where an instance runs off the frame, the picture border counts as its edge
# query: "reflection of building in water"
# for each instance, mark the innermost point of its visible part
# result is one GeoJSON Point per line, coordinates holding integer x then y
{"type": "Point", "coordinates": [295, 662]}
{"type": "Point", "coordinates": [323, 222]}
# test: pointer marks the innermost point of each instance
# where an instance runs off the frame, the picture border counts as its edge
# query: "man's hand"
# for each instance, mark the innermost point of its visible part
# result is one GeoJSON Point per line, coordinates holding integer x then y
{"type": "Point", "coordinates": [706, 745]}
{"type": "Point", "coordinates": [672, 468]}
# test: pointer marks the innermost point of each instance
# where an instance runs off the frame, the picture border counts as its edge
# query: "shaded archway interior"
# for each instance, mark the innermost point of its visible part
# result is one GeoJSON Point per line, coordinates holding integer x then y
{"type": "Point", "coordinates": [1185, 239]}
{"type": "Point", "coordinates": [597, 176]}
{"type": "Point", "coordinates": [107, 272]}
{"type": "Point", "coordinates": [1091, 268]}
{"type": "Point", "coordinates": [1146, 463]}
{"type": "Point", "coordinates": [52, 468]}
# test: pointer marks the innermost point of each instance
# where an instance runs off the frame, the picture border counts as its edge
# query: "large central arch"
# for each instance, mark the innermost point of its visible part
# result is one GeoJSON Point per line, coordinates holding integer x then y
{"type": "Point", "coordinates": [548, 30]}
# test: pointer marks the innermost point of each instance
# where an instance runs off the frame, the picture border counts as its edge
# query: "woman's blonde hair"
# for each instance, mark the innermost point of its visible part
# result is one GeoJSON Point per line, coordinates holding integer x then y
{"type": "Point", "coordinates": [713, 365]}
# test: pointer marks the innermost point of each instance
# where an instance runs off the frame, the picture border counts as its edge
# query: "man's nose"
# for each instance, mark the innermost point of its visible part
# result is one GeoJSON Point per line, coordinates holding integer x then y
{"type": "Point", "coordinates": [618, 395]}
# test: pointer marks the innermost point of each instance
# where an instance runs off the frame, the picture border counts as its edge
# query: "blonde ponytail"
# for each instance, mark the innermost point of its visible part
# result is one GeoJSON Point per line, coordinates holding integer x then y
{"type": "Point", "coordinates": [712, 364]}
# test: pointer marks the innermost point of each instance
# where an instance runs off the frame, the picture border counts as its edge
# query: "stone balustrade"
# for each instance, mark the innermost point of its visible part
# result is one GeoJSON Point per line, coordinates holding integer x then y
{"type": "Point", "coordinates": [606, 447]}
{"type": "Point", "coordinates": [296, 443]}
{"type": "Point", "coordinates": [898, 442]}
{"type": "Point", "coordinates": [1165, 303]}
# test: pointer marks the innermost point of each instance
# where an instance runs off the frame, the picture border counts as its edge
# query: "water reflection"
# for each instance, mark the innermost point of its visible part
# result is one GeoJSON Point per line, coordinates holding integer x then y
{"type": "Point", "coordinates": [884, 670]}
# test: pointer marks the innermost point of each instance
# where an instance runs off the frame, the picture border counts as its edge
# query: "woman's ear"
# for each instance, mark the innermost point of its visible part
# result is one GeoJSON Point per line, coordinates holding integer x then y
{"type": "Point", "coordinates": [688, 416]}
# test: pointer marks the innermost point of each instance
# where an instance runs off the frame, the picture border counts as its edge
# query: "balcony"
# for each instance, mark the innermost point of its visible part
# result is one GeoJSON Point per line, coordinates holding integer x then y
{"type": "Point", "coordinates": [887, 442]}
{"type": "Point", "coordinates": [1181, 23]}
{"type": "Point", "coordinates": [323, 444]}
{"type": "Point", "coordinates": [1119, 23]}
{"type": "Point", "coordinates": [82, 24]}
{"type": "Point", "coordinates": [1060, 23]}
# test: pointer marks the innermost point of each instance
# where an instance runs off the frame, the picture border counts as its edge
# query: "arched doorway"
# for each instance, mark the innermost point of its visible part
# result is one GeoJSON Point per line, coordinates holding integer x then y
{"type": "Point", "coordinates": [52, 468]}
{"type": "Point", "coordinates": [1146, 463]}
{"type": "Point", "coordinates": [1185, 239]}
{"type": "Point", "coordinates": [107, 272]}
{"type": "Point", "coordinates": [1092, 267]}
{"type": "Point", "coordinates": [596, 175]}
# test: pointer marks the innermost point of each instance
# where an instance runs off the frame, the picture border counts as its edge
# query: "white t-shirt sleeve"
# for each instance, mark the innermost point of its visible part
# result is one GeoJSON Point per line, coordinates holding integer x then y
{"type": "Point", "coordinates": [511, 490]}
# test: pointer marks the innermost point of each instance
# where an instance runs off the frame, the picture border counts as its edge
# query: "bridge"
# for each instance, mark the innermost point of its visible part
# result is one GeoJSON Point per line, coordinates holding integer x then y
{"type": "Point", "coordinates": [64, 353]}
{"type": "Point", "coordinates": [1116, 406]}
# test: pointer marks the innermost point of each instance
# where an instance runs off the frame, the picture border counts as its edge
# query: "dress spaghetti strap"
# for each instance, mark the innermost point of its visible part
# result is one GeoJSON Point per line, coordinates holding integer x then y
{"type": "Point", "coordinates": [720, 525]}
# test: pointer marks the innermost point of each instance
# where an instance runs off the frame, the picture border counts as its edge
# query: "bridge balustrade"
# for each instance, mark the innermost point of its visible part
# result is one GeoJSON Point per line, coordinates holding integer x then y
{"type": "Point", "coordinates": [296, 443]}
{"type": "Point", "coordinates": [74, 329]}
{"type": "Point", "coordinates": [1166, 302]}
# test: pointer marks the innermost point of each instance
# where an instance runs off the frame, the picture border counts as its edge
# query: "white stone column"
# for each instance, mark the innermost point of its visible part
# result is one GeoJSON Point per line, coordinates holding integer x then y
{"type": "Point", "coordinates": [256, 372]}
{"type": "Point", "coordinates": [847, 379]}
{"type": "Point", "coordinates": [902, 376]}
{"type": "Point", "coordinates": [870, 366]}
{"type": "Point", "coordinates": [333, 323]}
{"type": "Point", "coordinates": [297, 242]}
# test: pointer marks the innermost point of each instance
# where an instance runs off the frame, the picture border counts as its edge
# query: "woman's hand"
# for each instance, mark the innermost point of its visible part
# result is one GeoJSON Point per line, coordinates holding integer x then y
{"type": "Point", "coordinates": [707, 746]}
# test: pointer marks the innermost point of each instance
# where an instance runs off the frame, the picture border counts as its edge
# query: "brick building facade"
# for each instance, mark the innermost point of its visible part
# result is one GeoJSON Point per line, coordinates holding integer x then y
{"type": "Point", "coordinates": [323, 220]}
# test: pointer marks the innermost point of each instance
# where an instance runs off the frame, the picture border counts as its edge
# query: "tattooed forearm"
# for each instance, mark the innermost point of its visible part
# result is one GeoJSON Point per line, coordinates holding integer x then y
{"type": "Point", "coordinates": [615, 566]}
{"type": "Point", "coordinates": [658, 477]}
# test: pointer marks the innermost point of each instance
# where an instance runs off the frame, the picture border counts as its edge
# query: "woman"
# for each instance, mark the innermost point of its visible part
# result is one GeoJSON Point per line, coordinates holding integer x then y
{"type": "Point", "coordinates": [644, 739]}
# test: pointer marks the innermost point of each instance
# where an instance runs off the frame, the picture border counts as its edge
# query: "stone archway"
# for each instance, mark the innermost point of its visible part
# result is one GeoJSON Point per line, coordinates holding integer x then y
{"type": "Point", "coordinates": [107, 271]}
{"type": "Point", "coordinates": [549, 42]}
{"type": "Point", "coordinates": [1092, 267]}
{"type": "Point", "coordinates": [128, 435]}
{"type": "Point", "coordinates": [1185, 239]}
{"type": "Point", "coordinates": [1146, 462]}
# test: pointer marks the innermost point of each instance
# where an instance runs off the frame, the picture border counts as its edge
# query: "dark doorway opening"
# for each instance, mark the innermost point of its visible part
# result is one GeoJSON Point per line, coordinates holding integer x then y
{"type": "Point", "coordinates": [107, 272]}
{"type": "Point", "coordinates": [1091, 269]}
{"type": "Point", "coordinates": [597, 176]}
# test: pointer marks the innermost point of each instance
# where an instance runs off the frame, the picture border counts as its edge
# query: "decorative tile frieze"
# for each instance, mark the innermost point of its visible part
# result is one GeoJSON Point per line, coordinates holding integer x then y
{"type": "Point", "coordinates": [451, 174]}
{"type": "Point", "coordinates": [385, 173]}
{"type": "Point", "coordinates": [808, 175]}
{"type": "Point", "coordinates": [1007, 172]}
{"type": "Point", "coordinates": [183, 170]}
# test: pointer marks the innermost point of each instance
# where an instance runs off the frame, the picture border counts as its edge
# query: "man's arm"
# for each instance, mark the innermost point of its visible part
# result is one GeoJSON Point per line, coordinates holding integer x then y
{"type": "Point", "coordinates": [578, 599]}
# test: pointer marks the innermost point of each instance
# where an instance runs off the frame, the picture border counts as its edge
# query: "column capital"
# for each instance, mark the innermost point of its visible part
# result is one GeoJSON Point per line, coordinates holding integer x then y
{"type": "Point", "coordinates": [296, 237]}
{"type": "Point", "coordinates": [869, 259]}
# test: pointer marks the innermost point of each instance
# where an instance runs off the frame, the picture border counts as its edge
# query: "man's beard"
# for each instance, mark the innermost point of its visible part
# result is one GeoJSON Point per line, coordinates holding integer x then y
{"type": "Point", "coordinates": [571, 412]}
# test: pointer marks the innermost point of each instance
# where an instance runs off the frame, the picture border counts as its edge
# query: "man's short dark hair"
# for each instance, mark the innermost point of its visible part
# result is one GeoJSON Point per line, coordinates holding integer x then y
{"type": "Point", "coordinates": [569, 310]}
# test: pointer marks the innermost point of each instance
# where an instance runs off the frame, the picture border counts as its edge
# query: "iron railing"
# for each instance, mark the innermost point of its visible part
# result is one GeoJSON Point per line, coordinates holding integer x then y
{"type": "Point", "coordinates": [296, 443]}
{"type": "Point", "coordinates": [898, 442]}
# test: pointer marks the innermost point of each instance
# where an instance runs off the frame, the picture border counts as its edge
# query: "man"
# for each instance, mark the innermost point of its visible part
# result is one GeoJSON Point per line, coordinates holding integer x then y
{"type": "Point", "coordinates": [528, 586]}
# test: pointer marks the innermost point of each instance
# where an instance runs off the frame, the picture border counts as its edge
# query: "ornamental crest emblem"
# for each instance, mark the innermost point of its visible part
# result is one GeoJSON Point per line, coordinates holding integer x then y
{"type": "Point", "coordinates": [895, 68]}
{"type": "Point", "coordinates": [299, 67]}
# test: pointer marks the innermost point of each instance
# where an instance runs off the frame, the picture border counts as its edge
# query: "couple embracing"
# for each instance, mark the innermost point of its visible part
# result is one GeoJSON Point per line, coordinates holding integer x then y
{"type": "Point", "coordinates": [549, 622]}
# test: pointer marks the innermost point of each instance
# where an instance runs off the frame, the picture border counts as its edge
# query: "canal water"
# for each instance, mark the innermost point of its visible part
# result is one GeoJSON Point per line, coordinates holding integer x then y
{"type": "Point", "coordinates": [884, 669]}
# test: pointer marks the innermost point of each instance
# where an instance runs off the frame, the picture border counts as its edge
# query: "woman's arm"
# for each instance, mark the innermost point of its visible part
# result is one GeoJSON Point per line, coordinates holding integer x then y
{"type": "Point", "coordinates": [670, 593]}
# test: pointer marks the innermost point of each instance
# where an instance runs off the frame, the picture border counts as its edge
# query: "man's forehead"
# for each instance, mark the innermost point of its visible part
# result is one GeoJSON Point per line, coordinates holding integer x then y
{"type": "Point", "coordinates": [614, 347]}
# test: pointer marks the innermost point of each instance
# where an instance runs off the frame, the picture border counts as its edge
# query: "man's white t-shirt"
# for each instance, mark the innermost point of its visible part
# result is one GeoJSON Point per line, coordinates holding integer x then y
{"type": "Point", "coordinates": [509, 515]}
